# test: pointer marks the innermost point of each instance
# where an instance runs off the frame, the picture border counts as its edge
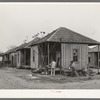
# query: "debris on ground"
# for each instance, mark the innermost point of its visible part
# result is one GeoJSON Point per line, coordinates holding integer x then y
{"type": "Point", "coordinates": [31, 76]}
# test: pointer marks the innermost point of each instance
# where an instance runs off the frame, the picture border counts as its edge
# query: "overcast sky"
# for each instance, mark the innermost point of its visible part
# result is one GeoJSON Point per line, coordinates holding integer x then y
{"type": "Point", "coordinates": [19, 20]}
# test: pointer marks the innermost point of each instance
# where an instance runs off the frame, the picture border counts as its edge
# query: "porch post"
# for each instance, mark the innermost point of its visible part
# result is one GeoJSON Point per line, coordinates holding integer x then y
{"type": "Point", "coordinates": [98, 58]}
{"type": "Point", "coordinates": [25, 57]}
{"type": "Point", "coordinates": [48, 53]}
{"type": "Point", "coordinates": [60, 59]}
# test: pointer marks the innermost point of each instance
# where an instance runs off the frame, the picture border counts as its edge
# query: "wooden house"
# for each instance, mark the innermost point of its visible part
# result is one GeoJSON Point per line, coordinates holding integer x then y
{"type": "Point", "coordinates": [23, 54]}
{"type": "Point", "coordinates": [63, 46]}
{"type": "Point", "coordinates": [8, 58]}
{"type": "Point", "coordinates": [94, 57]}
{"type": "Point", "coordinates": [1, 56]}
{"type": "Point", "coordinates": [1, 59]}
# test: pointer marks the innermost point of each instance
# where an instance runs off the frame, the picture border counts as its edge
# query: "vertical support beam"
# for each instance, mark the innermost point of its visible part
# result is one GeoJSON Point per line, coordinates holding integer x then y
{"type": "Point", "coordinates": [98, 58]}
{"type": "Point", "coordinates": [24, 56]}
{"type": "Point", "coordinates": [60, 58]}
{"type": "Point", "coordinates": [19, 58]}
{"type": "Point", "coordinates": [48, 53]}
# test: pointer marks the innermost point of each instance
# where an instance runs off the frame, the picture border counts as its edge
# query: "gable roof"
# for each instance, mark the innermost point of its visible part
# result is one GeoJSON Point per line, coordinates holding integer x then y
{"type": "Point", "coordinates": [94, 49]}
{"type": "Point", "coordinates": [34, 41]}
{"type": "Point", "coordinates": [10, 51]}
{"type": "Point", "coordinates": [65, 35]}
{"type": "Point", "coordinates": [27, 45]}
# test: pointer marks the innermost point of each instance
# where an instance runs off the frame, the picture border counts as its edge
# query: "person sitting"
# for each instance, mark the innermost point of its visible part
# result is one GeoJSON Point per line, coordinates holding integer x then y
{"type": "Point", "coordinates": [73, 70]}
{"type": "Point", "coordinates": [47, 69]}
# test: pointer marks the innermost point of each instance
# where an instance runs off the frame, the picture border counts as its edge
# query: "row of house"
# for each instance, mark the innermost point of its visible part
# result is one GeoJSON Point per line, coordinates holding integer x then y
{"type": "Point", "coordinates": [62, 45]}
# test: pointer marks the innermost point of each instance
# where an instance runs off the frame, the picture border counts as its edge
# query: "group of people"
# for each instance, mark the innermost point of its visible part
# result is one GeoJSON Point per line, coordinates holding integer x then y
{"type": "Point", "coordinates": [72, 67]}
{"type": "Point", "coordinates": [53, 64]}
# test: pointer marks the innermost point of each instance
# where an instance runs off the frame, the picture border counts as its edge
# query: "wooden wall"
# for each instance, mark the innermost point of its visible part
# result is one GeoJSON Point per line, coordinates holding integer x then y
{"type": "Point", "coordinates": [67, 55]}
{"type": "Point", "coordinates": [18, 53]}
{"type": "Point", "coordinates": [34, 64]}
{"type": "Point", "coordinates": [93, 59]}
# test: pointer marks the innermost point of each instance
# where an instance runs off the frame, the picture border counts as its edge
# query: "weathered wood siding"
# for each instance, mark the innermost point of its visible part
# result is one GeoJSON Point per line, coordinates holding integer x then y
{"type": "Point", "coordinates": [34, 64]}
{"type": "Point", "coordinates": [18, 53]}
{"type": "Point", "coordinates": [11, 58]}
{"type": "Point", "coordinates": [67, 55]}
{"type": "Point", "coordinates": [93, 59]}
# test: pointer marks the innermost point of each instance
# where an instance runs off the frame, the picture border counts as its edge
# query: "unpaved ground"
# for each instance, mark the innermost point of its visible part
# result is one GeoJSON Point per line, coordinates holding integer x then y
{"type": "Point", "coordinates": [20, 79]}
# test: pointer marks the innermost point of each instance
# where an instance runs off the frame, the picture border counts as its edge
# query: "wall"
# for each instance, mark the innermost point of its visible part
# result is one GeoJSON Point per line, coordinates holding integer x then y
{"type": "Point", "coordinates": [0, 58]}
{"type": "Point", "coordinates": [11, 58]}
{"type": "Point", "coordinates": [67, 55]}
{"type": "Point", "coordinates": [93, 59]}
{"type": "Point", "coordinates": [34, 64]}
{"type": "Point", "coordinates": [18, 54]}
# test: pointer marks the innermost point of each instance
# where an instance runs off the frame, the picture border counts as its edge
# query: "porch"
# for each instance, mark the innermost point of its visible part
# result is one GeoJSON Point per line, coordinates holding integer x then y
{"type": "Point", "coordinates": [25, 58]}
{"type": "Point", "coordinates": [47, 52]}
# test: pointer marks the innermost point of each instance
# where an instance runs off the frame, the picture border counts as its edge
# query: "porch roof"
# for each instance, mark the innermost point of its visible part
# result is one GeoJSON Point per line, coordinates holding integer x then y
{"type": "Point", "coordinates": [21, 46]}
{"type": "Point", "coordinates": [94, 49]}
{"type": "Point", "coordinates": [68, 36]}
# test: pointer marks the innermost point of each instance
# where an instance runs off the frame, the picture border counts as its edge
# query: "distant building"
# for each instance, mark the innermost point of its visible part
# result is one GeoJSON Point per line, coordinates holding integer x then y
{"type": "Point", "coordinates": [94, 56]}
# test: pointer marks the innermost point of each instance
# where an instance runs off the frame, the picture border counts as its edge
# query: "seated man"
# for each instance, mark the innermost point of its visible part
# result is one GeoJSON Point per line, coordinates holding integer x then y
{"type": "Point", "coordinates": [72, 67]}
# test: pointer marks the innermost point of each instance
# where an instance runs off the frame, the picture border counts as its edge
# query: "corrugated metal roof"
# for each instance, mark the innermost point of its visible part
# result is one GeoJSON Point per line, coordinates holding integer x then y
{"type": "Point", "coordinates": [65, 35]}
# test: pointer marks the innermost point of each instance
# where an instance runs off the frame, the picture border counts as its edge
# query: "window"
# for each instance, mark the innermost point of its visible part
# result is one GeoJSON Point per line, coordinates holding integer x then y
{"type": "Point", "coordinates": [89, 59]}
{"type": "Point", "coordinates": [75, 55]}
{"type": "Point", "coordinates": [33, 55]}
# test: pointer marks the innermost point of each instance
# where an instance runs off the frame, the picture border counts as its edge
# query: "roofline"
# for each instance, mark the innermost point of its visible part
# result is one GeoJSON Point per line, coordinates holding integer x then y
{"type": "Point", "coordinates": [53, 34]}
{"type": "Point", "coordinates": [90, 44]}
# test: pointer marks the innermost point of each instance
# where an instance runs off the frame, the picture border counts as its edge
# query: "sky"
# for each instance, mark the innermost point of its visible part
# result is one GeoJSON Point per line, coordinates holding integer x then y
{"type": "Point", "coordinates": [21, 20]}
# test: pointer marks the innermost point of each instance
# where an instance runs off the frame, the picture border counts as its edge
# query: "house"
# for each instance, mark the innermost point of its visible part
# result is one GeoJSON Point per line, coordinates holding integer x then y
{"type": "Point", "coordinates": [8, 58]}
{"type": "Point", "coordinates": [62, 45]}
{"type": "Point", "coordinates": [1, 59]}
{"type": "Point", "coordinates": [1, 56]}
{"type": "Point", "coordinates": [94, 56]}
{"type": "Point", "coordinates": [23, 54]}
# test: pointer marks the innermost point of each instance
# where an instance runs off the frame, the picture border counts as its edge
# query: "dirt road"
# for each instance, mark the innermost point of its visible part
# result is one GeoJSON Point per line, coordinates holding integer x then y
{"type": "Point", "coordinates": [19, 79]}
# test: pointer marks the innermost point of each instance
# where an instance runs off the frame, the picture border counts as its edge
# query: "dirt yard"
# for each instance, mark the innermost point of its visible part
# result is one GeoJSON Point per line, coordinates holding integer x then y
{"type": "Point", "coordinates": [11, 78]}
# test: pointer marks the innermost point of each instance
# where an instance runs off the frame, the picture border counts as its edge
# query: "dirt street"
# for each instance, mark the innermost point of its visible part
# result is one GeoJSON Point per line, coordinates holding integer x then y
{"type": "Point", "coordinates": [20, 79]}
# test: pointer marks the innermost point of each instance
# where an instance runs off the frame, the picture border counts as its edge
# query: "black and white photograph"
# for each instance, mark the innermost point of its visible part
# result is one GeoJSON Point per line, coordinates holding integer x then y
{"type": "Point", "coordinates": [49, 46]}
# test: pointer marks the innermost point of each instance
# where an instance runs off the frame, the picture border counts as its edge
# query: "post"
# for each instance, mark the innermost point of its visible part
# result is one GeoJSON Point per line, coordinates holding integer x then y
{"type": "Point", "coordinates": [48, 53]}
{"type": "Point", "coordinates": [60, 59]}
{"type": "Point", "coordinates": [25, 57]}
{"type": "Point", "coordinates": [98, 58]}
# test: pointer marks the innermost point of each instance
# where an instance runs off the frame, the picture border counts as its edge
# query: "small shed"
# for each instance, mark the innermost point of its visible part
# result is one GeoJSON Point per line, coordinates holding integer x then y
{"type": "Point", "coordinates": [62, 45]}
